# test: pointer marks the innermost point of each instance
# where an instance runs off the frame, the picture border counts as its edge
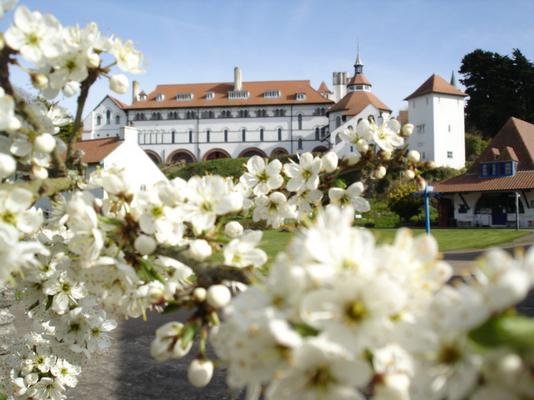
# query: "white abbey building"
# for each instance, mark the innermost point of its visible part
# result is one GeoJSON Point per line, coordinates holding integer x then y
{"type": "Point", "coordinates": [193, 122]}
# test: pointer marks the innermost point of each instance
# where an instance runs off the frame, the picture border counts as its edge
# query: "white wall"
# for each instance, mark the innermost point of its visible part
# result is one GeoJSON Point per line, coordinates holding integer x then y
{"type": "Point", "coordinates": [157, 135]}
{"type": "Point", "coordinates": [421, 115]}
{"type": "Point", "coordinates": [91, 129]}
{"type": "Point", "coordinates": [139, 168]}
{"type": "Point", "coordinates": [449, 130]}
{"type": "Point", "coordinates": [439, 128]}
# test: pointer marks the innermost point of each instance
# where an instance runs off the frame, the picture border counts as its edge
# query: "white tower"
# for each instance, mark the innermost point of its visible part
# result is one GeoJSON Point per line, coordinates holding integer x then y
{"type": "Point", "coordinates": [436, 109]}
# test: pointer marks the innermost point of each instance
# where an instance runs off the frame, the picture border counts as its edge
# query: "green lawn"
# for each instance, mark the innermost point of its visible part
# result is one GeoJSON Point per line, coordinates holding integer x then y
{"type": "Point", "coordinates": [448, 239]}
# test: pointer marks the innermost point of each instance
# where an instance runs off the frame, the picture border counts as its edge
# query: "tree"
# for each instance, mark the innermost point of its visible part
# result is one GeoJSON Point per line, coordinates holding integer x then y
{"type": "Point", "coordinates": [403, 202]}
{"type": "Point", "coordinates": [498, 87]}
{"type": "Point", "coordinates": [474, 146]}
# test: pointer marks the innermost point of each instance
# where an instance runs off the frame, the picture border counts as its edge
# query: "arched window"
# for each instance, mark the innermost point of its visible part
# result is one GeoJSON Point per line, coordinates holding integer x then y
{"type": "Point", "coordinates": [208, 134]}
{"type": "Point", "coordinates": [338, 121]}
{"type": "Point", "coordinates": [226, 135]}
{"type": "Point", "coordinates": [244, 135]}
{"type": "Point", "coordinates": [261, 134]}
{"type": "Point", "coordinates": [299, 118]}
{"type": "Point", "coordinates": [108, 117]}
{"type": "Point", "coordinates": [190, 135]}
{"type": "Point", "coordinates": [299, 144]}
{"type": "Point", "coordinates": [317, 133]}
{"type": "Point", "coordinates": [279, 134]}
{"type": "Point", "coordinates": [117, 119]}
{"type": "Point", "coordinates": [98, 120]}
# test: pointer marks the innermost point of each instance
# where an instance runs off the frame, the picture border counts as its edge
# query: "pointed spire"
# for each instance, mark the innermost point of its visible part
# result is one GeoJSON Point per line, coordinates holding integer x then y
{"type": "Point", "coordinates": [453, 79]}
{"type": "Point", "coordinates": [358, 59]}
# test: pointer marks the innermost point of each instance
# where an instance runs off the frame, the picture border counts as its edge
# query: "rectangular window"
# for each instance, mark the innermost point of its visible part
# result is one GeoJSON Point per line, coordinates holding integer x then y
{"type": "Point", "coordinates": [421, 128]}
{"type": "Point", "coordinates": [484, 170]}
{"type": "Point", "coordinates": [190, 136]}
{"type": "Point", "coordinates": [449, 154]}
{"type": "Point", "coordinates": [508, 169]}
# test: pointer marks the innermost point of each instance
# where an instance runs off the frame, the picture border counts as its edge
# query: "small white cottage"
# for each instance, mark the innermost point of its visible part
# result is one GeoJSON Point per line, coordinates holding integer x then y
{"type": "Point", "coordinates": [122, 151]}
{"type": "Point", "coordinates": [503, 176]}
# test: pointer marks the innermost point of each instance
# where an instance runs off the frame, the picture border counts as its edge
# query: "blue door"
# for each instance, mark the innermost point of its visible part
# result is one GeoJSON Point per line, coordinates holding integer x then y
{"type": "Point", "coordinates": [498, 215]}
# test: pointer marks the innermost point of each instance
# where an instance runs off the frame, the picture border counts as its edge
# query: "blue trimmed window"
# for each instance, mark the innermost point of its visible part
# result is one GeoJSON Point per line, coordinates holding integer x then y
{"type": "Point", "coordinates": [498, 169]}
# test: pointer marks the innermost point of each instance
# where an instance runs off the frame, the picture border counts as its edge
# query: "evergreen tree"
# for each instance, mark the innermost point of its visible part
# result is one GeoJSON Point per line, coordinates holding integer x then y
{"type": "Point", "coordinates": [498, 87]}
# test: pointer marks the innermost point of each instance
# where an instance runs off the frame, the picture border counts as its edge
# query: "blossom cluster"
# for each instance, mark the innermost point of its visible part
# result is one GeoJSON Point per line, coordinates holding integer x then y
{"type": "Point", "coordinates": [57, 59]}
{"type": "Point", "coordinates": [340, 317]}
{"type": "Point", "coordinates": [335, 316]}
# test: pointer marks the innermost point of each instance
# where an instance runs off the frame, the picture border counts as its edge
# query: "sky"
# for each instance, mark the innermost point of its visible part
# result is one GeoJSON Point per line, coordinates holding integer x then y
{"type": "Point", "coordinates": [402, 42]}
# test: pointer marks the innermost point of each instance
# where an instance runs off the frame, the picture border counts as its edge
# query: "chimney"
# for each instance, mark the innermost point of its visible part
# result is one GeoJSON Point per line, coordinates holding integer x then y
{"type": "Point", "coordinates": [135, 91]}
{"type": "Point", "coordinates": [129, 135]}
{"type": "Point", "coordinates": [238, 83]}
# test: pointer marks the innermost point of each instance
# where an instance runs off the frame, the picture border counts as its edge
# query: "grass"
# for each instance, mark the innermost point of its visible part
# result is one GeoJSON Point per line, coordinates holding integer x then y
{"type": "Point", "coordinates": [448, 239]}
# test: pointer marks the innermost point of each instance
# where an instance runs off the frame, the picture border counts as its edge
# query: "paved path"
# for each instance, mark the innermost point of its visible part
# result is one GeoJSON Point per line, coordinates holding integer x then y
{"type": "Point", "coordinates": [127, 372]}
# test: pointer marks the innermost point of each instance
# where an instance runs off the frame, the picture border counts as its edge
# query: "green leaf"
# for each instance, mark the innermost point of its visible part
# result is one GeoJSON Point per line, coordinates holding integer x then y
{"type": "Point", "coordinates": [340, 183]}
{"type": "Point", "coordinates": [304, 329]}
{"type": "Point", "coordinates": [110, 221]}
{"type": "Point", "coordinates": [188, 334]}
{"type": "Point", "coordinates": [49, 302]}
{"type": "Point", "coordinates": [515, 331]}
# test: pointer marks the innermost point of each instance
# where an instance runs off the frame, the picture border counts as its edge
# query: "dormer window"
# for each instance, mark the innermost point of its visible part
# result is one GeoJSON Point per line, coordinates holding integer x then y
{"type": "Point", "coordinates": [160, 97]}
{"type": "Point", "coordinates": [301, 96]}
{"type": "Point", "coordinates": [272, 94]}
{"type": "Point", "coordinates": [210, 96]}
{"type": "Point", "coordinates": [184, 96]}
{"type": "Point", "coordinates": [238, 94]}
{"type": "Point", "coordinates": [142, 97]}
{"type": "Point", "coordinates": [498, 169]}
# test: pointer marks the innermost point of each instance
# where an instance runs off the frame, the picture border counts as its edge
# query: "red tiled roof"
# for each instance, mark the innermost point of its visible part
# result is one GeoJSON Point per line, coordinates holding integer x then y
{"type": "Point", "coordinates": [359, 79]}
{"type": "Point", "coordinates": [118, 103]}
{"type": "Point", "coordinates": [518, 136]}
{"type": "Point", "coordinates": [436, 84]}
{"type": "Point", "coordinates": [97, 149]}
{"type": "Point", "coordinates": [354, 102]}
{"type": "Point", "coordinates": [515, 141]}
{"type": "Point", "coordinates": [288, 89]}
{"type": "Point", "coordinates": [474, 183]}
{"type": "Point", "coordinates": [323, 88]}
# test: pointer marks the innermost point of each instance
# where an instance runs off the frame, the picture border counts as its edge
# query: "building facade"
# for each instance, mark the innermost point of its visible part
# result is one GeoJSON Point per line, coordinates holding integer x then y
{"type": "Point", "coordinates": [498, 189]}
{"type": "Point", "coordinates": [192, 122]}
{"type": "Point", "coordinates": [436, 109]}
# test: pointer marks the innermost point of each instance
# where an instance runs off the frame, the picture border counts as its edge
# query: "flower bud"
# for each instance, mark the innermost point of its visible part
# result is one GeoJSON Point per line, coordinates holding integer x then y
{"type": "Point", "coordinates": [199, 294]}
{"type": "Point", "coordinates": [352, 158]}
{"type": "Point", "coordinates": [431, 165]}
{"type": "Point", "coordinates": [362, 145]}
{"type": "Point", "coordinates": [39, 172]}
{"type": "Point", "coordinates": [414, 156]}
{"type": "Point", "coordinates": [380, 172]}
{"type": "Point", "coordinates": [200, 372]}
{"type": "Point", "coordinates": [233, 229]}
{"type": "Point", "coordinates": [409, 174]}
{"type": "Point", "coordinates": [218, 296]}
{"type": "Point", "coordinates": [407, 130]}
{"type": "Point", "coordinates": [199, 249]}
{"type": "Point", "coordinates": [119, 83]}
{"type": "Point", "coordinates": [93, 60]}
{"type": "Point", "coordinates": [145, 244]}
{"type": "Point", "coordinates": [7, 165]}
{"type": "Point", "coordinates": [385, 154]}
{"type": "Point", "coordinates": [39, 81]}
{"type": "Point", "coordinates": [329, 162]}
{"type": "Point", "coordinates": [71, 88]}
{"type": "Point", "coordinates": [44, 143]}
